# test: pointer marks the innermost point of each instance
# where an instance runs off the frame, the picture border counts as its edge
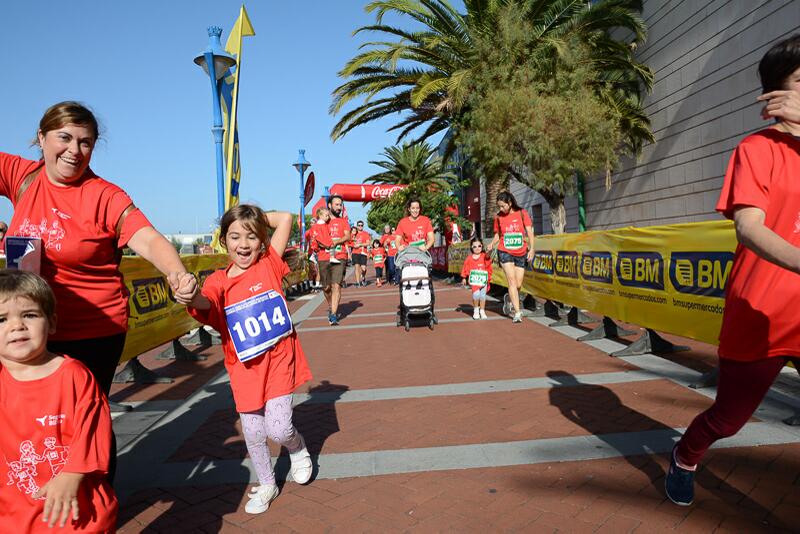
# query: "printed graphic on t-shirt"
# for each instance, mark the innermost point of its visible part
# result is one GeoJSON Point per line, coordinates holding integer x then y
{"type": "Point", "coordinates": [22, 473]}
{"type": "Point", "coordinates": [51, 234]}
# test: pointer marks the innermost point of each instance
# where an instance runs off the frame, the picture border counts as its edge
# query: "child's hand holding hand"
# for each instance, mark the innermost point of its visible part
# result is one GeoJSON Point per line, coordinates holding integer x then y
{"type": "Point", "coordinates": [61, 498]}
{"type": "Point", "coordinates": [186, 290]}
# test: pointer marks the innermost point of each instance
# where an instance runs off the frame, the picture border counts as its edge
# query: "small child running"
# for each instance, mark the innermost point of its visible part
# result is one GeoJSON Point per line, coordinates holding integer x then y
{"type": "Point", "coordinates": [246, 304]}
{"type": "Point", "coordinates": [379, 260]}
{"type": "Point", "coordinates": [477, 270]}
{"type": "Point", "coordinates": [56, 425]}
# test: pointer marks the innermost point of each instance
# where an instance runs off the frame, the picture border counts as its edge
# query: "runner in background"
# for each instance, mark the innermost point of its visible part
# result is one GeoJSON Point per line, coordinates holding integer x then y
{"type": "Point", "coordinates": [361, 244]}
{"type": "Point", "coordinates": [415, 230]}
{"type": "Point", "coordinates": [322, 245]}
{"type": "Point", "coordinates": [351, 253]}
{"type": "Point", "coordinates": [477, 273]}
{"type": "Point", "coordinates": [390, 244]}
{"type": "Point", "coordinates": [760, 332]}
{"type": "Point", "coordinates": [246, 305]}
{"type": "Point", "coordinates": [339, 229]}
{"type": "Point", "coordinates": [379, 260]}
{"type": "Point", "coordinates": [514, 233]}
{"type": "Point", "coordinates": [311, 252]}
{"type": "Point", "coordinates": [56, 423]}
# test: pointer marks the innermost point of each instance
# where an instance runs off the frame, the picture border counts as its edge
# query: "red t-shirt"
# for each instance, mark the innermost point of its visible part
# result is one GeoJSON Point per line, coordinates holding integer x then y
{"type": "Point", "coordinates": [338, 226]}
{"type": "Point", "coordinates": [759, 296]}
{"type": "Point", "coordinates": [390, 242]}
{"type": "Point", "coordinates": [54, 424]}
{"type": "Point", "coordinates": [477, 270]}
{"type": "Point", "coordinates": [282, 368]}
{"type": "Point", "coordinates": [511, 229]}
{"type": "Point", "coordinates": [321, 239]}
{"type": "Point", "coordinates": [414, 233]}
{"type": "Point", "coordinates": [77, 225]}
{"type": "Point", "coordinates": [379, 256]}
{"type": "Point", "coordinates": [361, 242]}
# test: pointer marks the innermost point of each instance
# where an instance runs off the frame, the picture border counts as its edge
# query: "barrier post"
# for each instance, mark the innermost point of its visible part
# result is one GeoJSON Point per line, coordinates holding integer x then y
{"type": "Point", "coordinates": [135, 372]}
{"type": "Point", "coordinates": [649, 342]}
{"type": "Point", "coordinates": [204, 338]}
{"type": "Point", "coordinates": [608, 329]}
{"type": "Point", "coordinates": [178, 352]}
{"type": "Point", "coordinates": [707, 379]}
{"type": "Point", "coordinates": [574, 317]}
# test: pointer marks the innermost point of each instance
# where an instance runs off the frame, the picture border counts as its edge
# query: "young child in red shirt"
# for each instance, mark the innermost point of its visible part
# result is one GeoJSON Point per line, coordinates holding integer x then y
{"type": "Point", "coordinates": [379, 260]}
{"type": "Point", "coordinates": [477, 272]}
{"type": "Point", "coordinates": [56, 425]}
{"type": "Point", "coordinates": [263, 356]}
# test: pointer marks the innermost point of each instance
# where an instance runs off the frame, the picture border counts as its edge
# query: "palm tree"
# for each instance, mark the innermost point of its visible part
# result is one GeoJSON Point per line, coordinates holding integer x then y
{"type": "Point", "coordinates": [426, 74]}
{"type": "Point", "coordinates": [409, 164]}
{"type": "Point", "coordinates": [420, 168]}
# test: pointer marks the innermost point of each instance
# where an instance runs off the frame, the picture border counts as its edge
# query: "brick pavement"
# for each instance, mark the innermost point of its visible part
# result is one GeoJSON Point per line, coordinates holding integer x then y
{"type": "Point", "coordinates": [745, 488]}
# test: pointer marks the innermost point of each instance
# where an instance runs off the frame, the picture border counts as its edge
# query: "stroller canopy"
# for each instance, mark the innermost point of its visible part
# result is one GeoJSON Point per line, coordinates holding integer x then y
{"type": "Point", "coordinates": [413, 256]}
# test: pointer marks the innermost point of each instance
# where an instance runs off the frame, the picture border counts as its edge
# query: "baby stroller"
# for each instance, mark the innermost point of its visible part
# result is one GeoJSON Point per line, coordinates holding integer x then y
{"type": "Point", "coordinates": [416, 287]}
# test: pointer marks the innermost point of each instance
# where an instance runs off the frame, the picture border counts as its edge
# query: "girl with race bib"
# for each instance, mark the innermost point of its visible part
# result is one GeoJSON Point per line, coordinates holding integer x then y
{"type": "Point", "coordinates": [512, 226]}
{"type": "Point", "coordinates": [246, 304]}
{"type": "Point", "coordinates": [477, 273]}
{"type": "Point", "coordinates": [379, 260]}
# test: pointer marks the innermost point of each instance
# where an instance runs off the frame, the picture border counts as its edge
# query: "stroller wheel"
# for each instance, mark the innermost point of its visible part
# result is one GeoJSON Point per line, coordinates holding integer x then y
{"type": "Point", "coordinates": [399, 319]}
{"type": "Point", "coordinates": [434, 320]}
{"type": "Point", "coordinates": [408, 325]}
{"type": "Point", "coordinates": [431, 323]}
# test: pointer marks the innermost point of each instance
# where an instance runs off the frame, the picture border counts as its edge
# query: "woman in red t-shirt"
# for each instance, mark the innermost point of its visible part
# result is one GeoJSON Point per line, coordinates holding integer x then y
{"type": "Point", "coordinates": [415, 230]}
{"type": "Point", "coordinates": [760, 332]}
{"type": "Point", "coordinates": [388, 241]}
{"type": "Point", "coordinates": [83, 222]}
{"type": "Point", "coordinates": [513, 232]}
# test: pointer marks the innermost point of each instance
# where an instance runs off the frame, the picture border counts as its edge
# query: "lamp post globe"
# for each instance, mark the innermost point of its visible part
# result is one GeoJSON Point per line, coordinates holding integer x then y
{"type": "Point", "coordinates": [301, 165]}
{"type": "Point", "coordinates": [216, 62]}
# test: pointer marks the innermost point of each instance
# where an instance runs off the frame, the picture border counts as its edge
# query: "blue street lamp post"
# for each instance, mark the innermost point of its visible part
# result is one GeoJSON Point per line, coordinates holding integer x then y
{"type": "Point", "coordinates": [216, 62]}
{"type": "Point", "coordinates": [301, 165]}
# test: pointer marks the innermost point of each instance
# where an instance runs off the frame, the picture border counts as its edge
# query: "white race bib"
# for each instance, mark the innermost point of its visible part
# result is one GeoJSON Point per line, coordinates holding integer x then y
{"type": "Point", "coordinates": [478, 277]}
{"type": "Point", "coordinates": [512, 240]}
{"type": "Point", "coordinates": [258, 323]}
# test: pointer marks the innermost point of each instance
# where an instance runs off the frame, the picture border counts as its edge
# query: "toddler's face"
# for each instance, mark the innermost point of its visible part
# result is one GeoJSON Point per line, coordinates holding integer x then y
{"type": "Point", "coordinates": [23, 330]}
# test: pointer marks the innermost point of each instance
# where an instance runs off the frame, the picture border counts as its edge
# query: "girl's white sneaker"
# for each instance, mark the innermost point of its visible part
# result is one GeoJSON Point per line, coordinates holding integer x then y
{"type": "Point", "coordinates": [483, 313]}
{"type": "Point", "coordinates": [476, 314]}
{"type": "Point", "coordinates": [260, 497]}
{"type": "Point", "coordinates": [300, 467]}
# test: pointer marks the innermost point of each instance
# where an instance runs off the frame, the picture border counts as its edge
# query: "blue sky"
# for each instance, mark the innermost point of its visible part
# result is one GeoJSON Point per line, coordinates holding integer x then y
{"type": "Point", "coordinates": [131, 62]}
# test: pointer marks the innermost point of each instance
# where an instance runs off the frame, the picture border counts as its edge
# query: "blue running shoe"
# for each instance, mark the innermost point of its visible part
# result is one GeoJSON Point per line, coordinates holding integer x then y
{"type": "Point", "coordinates": [332, 320]}
{"type": "Point", "coordinates": [679, 483]}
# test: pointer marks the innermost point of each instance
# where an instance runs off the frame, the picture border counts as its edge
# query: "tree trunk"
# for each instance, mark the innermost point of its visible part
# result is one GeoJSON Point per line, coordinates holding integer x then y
{"type": "Point", "coordinates": [494, 186]}
{"type": "Point", "coordinates": [558, 213]}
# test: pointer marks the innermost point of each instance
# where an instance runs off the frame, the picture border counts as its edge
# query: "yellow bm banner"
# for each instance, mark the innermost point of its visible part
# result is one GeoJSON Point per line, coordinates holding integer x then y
{"type": "Point", "coordinates": [667, 278]}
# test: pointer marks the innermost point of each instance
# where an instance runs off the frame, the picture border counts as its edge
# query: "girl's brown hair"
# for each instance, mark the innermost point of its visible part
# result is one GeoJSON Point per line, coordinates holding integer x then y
{"type": "Point", "coordinates": [251, 217]}
{"type": "Point", "coordinates": [68, 112]}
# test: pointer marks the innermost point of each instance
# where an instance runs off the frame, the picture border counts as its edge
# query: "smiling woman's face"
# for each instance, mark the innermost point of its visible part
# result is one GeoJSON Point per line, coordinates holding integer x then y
{"type": "Point", "coordinates": [67, 152]}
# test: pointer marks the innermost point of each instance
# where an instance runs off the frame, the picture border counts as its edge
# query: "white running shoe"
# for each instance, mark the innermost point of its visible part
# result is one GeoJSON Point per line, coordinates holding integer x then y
{"type": "Point", "coordinates": [300, 467]}
{"type": "Point", "coordinates": [506, 304]}
{"type": "Point", "coordinates": [517, 318]}
{"type": "Point", "coordinates": [260, 497]}
{"type": "Point", "coordinates": [476, 313]}
{"type": "Point", "coordinates": [483, 313]}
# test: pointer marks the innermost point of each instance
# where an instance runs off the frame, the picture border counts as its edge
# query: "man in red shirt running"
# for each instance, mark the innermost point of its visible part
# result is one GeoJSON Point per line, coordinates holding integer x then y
{"type": "Point", "coordinates": [339, 229]}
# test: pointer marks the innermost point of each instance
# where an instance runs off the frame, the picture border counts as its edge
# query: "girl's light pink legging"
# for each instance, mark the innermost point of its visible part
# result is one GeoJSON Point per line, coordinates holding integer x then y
{"type": "Point", "coordinates": [273, 422]}
{"type": "Point", "coordinates": [741, 388]}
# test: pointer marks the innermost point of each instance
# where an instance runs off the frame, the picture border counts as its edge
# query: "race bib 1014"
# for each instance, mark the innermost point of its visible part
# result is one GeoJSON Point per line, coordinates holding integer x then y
{"type": "Point", "coordinates": [258, 323]}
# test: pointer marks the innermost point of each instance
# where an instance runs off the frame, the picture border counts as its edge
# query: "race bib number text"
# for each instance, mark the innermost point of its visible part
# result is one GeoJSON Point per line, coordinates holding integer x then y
{"type": "Point", "coordinates": [512, 241]}
{"type": "Point", "coordinates": [257, 324]}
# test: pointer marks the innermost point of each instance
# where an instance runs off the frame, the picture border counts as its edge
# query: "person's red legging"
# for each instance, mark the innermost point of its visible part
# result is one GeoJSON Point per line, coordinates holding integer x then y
{"type": "Point", "coordinates": [741, 388]}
